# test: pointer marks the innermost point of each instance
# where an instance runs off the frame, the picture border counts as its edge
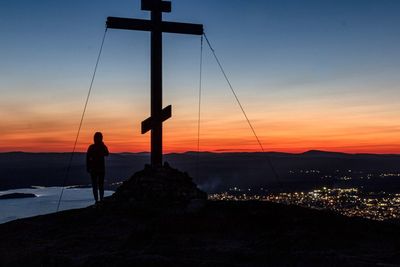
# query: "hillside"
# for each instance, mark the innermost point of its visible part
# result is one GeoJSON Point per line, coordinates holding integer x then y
{"type": "Point", "coordinates": [222, 234]}
{"type": "Point", "coordinates": [215, 172]}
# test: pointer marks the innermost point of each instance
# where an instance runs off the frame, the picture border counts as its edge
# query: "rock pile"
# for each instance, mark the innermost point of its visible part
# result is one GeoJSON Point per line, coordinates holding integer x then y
{"type": "Point", "coordinates": [162, 186]}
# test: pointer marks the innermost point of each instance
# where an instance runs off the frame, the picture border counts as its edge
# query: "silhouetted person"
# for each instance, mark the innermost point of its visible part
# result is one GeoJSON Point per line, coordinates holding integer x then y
{"type": "Point", "coordinates": [95, 165]}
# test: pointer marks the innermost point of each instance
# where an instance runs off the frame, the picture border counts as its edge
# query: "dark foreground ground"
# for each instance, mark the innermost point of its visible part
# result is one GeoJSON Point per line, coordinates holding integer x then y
{"type": "Point", "coordinates": [222, 234]}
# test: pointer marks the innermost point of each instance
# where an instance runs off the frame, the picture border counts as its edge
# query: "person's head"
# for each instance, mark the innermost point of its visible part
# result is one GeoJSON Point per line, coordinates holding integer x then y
{"type": "Point", "coordinates": [98, 138]}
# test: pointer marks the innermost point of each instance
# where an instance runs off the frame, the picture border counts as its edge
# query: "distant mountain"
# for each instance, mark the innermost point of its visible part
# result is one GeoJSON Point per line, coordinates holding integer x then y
{"type": "Point", "coordinates": [212, 171]}
{"type": "Point", "coordinates": [320, 153]}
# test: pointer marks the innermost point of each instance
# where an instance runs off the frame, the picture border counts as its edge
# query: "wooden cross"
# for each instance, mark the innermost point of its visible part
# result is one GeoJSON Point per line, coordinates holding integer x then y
{"type": "Point", "coordinates": [156, 26]}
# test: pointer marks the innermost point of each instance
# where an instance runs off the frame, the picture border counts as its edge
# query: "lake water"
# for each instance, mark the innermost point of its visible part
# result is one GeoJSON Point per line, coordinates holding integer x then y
{"type": "Point", "coordinates": [45, 202]}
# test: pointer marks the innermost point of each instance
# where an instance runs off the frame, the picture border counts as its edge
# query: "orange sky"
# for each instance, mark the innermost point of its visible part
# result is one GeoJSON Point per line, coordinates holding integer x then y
{"type": "Point", "coordinates": [287, 127]}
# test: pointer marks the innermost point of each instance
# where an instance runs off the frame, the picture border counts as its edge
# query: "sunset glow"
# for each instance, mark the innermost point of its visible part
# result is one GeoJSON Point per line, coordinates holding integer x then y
{"type": "Point", "coordinates": [327, 79]}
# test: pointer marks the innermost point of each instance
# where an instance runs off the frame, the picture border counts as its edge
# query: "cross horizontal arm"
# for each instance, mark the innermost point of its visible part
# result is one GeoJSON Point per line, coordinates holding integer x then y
{"type": "Point", "coordinates": [129, 24]}
{"type": "Point", "coordinates": [147, 25]}
{"type": "Point", "coordinates": [183, 28]}
{"type": "Point", "coordinates": [149, 123]}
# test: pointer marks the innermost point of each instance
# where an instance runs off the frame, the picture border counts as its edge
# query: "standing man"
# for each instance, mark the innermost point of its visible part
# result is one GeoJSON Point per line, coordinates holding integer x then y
{"type": "Point", "coordinates": [95, 165]}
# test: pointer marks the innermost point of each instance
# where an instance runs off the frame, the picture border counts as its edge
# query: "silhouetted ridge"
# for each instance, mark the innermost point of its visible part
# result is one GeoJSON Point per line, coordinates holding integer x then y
{"type": "Point", "coordinates": [322, 153]}
{"type": "Point", "coordinates": [240, 234]}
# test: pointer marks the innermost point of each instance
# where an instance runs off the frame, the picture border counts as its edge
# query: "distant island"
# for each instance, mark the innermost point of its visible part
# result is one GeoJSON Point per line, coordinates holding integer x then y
{"type": "Point", "coordinates": [17, 195]}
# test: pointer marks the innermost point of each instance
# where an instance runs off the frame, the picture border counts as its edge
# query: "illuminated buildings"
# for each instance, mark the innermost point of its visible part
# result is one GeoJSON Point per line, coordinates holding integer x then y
{"type": "Point", "coordinates": [347, 201]}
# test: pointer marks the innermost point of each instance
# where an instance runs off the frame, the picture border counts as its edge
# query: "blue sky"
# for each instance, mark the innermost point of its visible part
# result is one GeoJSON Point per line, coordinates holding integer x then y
{"type": "Point", "coordinates": [292, 62]}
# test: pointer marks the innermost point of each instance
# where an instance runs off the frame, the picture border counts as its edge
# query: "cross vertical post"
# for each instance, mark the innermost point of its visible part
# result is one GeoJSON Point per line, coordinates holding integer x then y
{"type": "Point", "coordinates": [156, 87]}
{"type": "Point", "coordinates": [156, 26]}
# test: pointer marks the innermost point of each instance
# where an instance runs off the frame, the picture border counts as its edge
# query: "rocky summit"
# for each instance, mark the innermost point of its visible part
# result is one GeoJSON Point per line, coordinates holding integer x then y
{"type": "Point", "coordinates": [159, 188]}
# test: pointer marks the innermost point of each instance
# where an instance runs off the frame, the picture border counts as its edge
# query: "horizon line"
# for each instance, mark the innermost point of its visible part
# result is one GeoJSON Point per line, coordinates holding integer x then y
{"type": "Point", "coordinates": [210, 152]}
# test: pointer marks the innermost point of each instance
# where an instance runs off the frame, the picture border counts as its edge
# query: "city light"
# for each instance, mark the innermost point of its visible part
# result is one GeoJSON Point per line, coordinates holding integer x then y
{"type": "Point", "coordinates": [351, 202]}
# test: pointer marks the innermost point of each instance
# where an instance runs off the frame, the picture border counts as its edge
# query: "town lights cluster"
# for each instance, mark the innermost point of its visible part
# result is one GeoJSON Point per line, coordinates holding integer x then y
{"type": "Point", "coordinates": [347, 201]}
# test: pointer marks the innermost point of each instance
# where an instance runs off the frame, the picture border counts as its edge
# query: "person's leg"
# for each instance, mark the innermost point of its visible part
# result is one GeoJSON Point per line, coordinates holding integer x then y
{"type": "Point", "coordinates": [94, 177]}
{"type": "Point", "coordinates": [101, 185]}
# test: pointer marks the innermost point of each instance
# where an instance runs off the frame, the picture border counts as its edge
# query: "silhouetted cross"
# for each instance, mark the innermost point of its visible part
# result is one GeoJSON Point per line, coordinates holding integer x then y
{"type": "Point", "coordinates": [156, 26]}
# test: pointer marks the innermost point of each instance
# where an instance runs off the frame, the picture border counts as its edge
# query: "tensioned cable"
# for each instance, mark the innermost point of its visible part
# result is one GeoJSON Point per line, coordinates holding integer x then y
{"type": "Point", "coordinates": [241, 107]}
{"type": "Point", "coordinates": [81, 121]}
{"type": "Point", "coordinates": [199, 108]}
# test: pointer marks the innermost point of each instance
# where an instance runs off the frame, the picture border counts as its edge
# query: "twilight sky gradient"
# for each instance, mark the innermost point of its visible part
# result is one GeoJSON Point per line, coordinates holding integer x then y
{"type": "Point", "coordinates": [319, 74]}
